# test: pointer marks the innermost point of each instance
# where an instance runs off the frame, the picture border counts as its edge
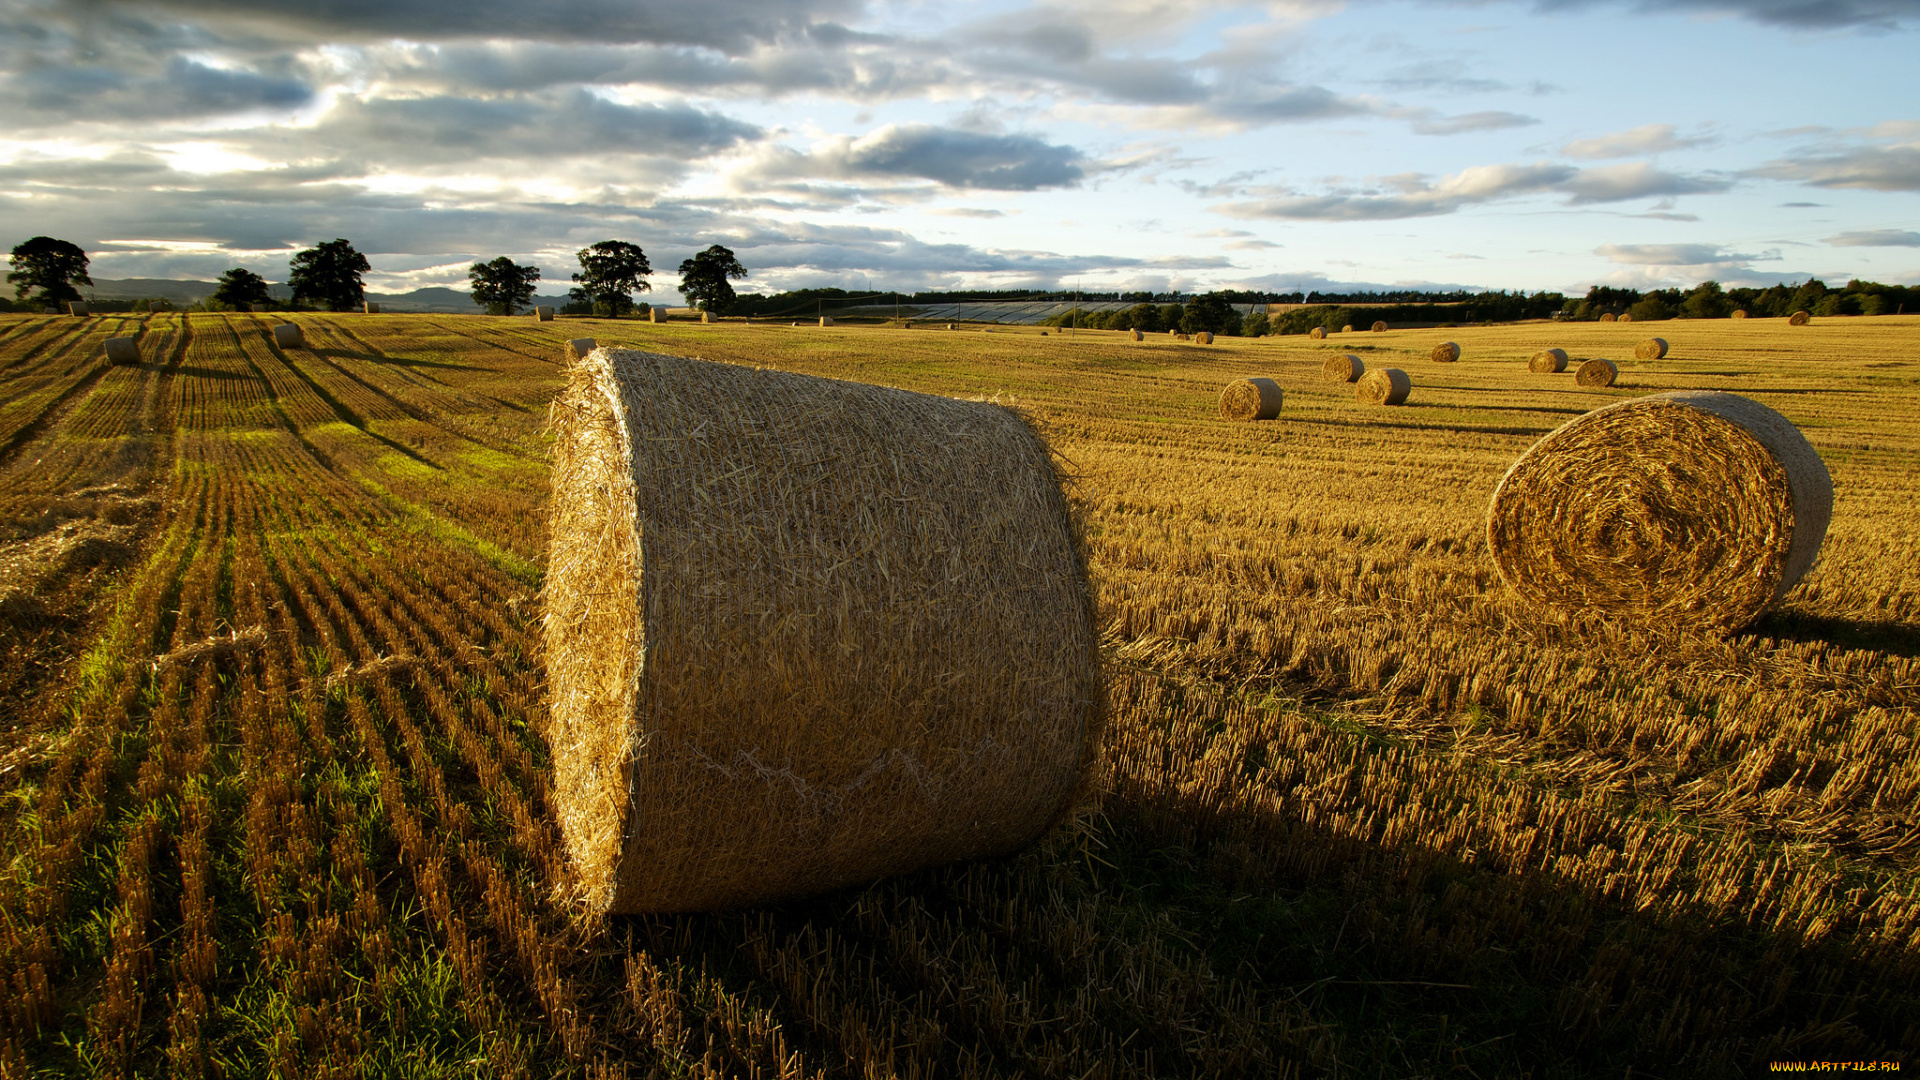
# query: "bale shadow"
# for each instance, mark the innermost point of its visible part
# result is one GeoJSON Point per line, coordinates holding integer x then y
{"type": "Point", "coordinates": [397, 361]}
{"type": "Point", "coordinates": [1872, 635]}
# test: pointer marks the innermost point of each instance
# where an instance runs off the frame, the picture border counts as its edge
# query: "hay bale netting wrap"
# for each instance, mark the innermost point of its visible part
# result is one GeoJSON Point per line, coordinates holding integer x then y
{"type": "Point", "coordinates": [288, 336]}
{"type": "Point", "coordinates": [578, 348]}
{"type": "Point", "coordinates": [1445, 353]}
{"type": "Point", "coordinates": [804, 633]}
{"type": "Point", "coordinates": [1383, 386]}
{"type": "Point", "coordinates": [123, 350]}
{"type": "Point", "coordinates": [1654, 348]}
{"type": "Point", "coordinates": [1597, 372]}
{"type": "Point", "coordinates": [1251, 399]}
{"type": "Point", "coordinates": [1548, 361]}
{"type": "Point", "coordinates": [1345, 367]}
{"type": "Point", "coordinates": [1799, 318]}
{"type": "Point", "coordinates": [1380, 327]}
{"type": "Point", "coordinates": [1317, 333]}
{"type": "Point", "coordinates": [1691, 506]}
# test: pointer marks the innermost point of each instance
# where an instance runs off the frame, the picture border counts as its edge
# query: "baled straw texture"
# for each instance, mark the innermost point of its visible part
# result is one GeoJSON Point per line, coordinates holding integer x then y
{"type": "Point", "coordinates": [1318, 333]}
{"type": "Point", "coordinates": [653, 314]}
{"type": "Point", "coordinates": [1740, 313]}
{"type": "Point", "coordinates": [804, 633]}
{"type": "Point", "coordinates": [373, 308]}
{"type": "Point", "coordinates": [706, 316]}
{"type": "Point", "coordinates": [578, 348]}
{"type": "Point", "coordinates": [1204, 337]}
{"type": "Point", "coordinates": [1446, 353]}
{"type": "Point", "coordinates": [1345, 367]}
{"type": "Point", "coordinates": [1799, 318]}
{"type": "Point", "coordinates": [1548, 361]}
{"type": "Point", "coordinates": [543, 313]}
{"type": "Point", "coordinates": [1608, 317]}
{"type": "Point", "coordinates": [1626, 316]}
{"type": "Point", "coordinates": [1597, 372]}
{"type": "Point", "coordinates": [79, 307]}
{"type": "Point", "coordinates": [123, 350]}
{"type": "Point", "coordinates": [1138, 336]}
{"type": "Point", "coordinates": [1691, 506]}
{"type": "Point", "coordinates": [1383, 386]}
{"type": "Point", "coordinates": [288, 336]}
{"type": "Point", "coordinates": [1347, 329]}
{"type": "Point", "coordinates": [1654, 348]}
{"type": "Point", "coordinates": [1251, 399]}
{"type": "Point", "coordinates": [1380, 327]}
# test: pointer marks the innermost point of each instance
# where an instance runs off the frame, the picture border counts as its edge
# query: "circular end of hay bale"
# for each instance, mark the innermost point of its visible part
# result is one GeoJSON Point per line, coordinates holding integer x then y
{"type": "Point", "coordinates": [1608, 317]}
{"type": "Point", "coordinates": [1345, 367]}
{"type": "Point", "coordinates": [1691, 506]}
{"type": "Point", "coordinates": [1597, 372]}
{"type": "Point", "coordinates": [1626, 316]}
{"type": "Point", "coordinates": [122, 350]}
{"type": "Point", "coordinates": [1204, 337]}
{"type": "Point", "coordinates": [578, 348]}
{"type": "Point", "coordinates": [1384, 386]}
{"type": "Point", "coordinates": [289, 336]}
{"type": "Point", "coordinates": [1251, 399]}
{"type": "Point", "coordinates": [1380, 327]}
{"type": "Point", "coordinates": [1138, 336]}
{"type": "Point", "coordinates": [1318, 333]}
{"type": "Point", "coordinates": [1739, 314]}
{"type": "Point", "coordinates": [1347, 329]}
{"type": "Point", "coordinates": [1653, 348]}
{"type": "Point", "coordinates": [1445, 353]}
{"type": "Point", "coordinates": [1799, 318]}
{"type": "Point", "coordinates": [708, 756]}
{"type": "Point", "coordinates": [1548, 361]}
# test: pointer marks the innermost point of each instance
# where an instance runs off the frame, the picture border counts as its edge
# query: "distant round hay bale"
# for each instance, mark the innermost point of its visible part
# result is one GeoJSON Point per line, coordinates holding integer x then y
{"type": "Point", "coordinates": [949, 326]}
{"type": "Point", "coordinates": [543, 313]}
{"type": "Point", "coordinates": [706, 316]}
{"type": "Point", "coordinates": [900, 670]}
{"type": "Point", "coordinates": [1347, 329]}
{"type": "Point", "coordinates": [653, 315]}
{"type": "Point", "coordinates": [1626, 316]}
{"type": "Point", "coordinates": [1204, 337]}
{"type": "Point", "coordinates": [1653, 348]}
{"type": "Point", "coordinates": [906, 324]}
{"type": "Point", "coordinates": [1608, 317]}
{"type": "Point", "coordinates": [1345, 367]}
{"type": "Point", "coordinates": [1445, 353]}
{"type": "Point", "coordinates": [49, 310]}
{"type": "Point", "coordinates": [1138, 336]}
{"type": "Point", "coordinates": [123, 350]}
{"type": "Point", "coordinates": [372, 308]}
{"type": "Point", "coordinates": [1380, 327]}
{"type": "Point", "coordinates": [826, 320]}
{"type": "Point", "coordinates": [579, 347]}
{"type": "Point", "coordinates": [1691, 506]}
{"type": "Point", "coordinates": [1548, 361]}
{"type": "Point", "coordinates": [288, 336]}
{"type": "Point", "coordinates": [1739, 313]}
{"type": "Point", "coordinates": [79, 307]}
{"type": "Point", "coordinates": [1799, 318]}
{"type": "Point", "coordinates": [1251, 399]}
{"type": "Point", "coordinates": [1597, 372]}
{"type": "Point", "coordinates": [1384, 386]}
{"type": "Point", "coordinates": [1318, 333]}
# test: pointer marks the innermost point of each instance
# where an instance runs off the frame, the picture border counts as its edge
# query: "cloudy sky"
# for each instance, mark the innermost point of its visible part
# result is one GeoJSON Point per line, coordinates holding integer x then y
{"type": "Point", "coordinates": [1103, 144]}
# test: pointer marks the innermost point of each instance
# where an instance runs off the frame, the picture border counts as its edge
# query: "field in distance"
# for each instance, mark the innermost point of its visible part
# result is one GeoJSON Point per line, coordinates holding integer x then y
{"type": "Point", "coordinates": [275, 796]}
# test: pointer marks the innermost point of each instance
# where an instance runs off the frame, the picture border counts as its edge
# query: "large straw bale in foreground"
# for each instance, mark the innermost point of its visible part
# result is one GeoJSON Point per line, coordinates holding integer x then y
{"type": "Point", "coordinates": [1598, 371]}
{"type": "Point", "coordinates": [1345, 367]}
{"type": "Point", "coordinates": [1548, 361]}
{"type": "Point", "coordinates": [1654, 348]}
{"type": "Point", "coordinates": [1251, 399]}
{"type": "Point", "coordinates": [1445, 353]}
{"type": "Point", "coordinates": [1690, 506]}
{"type": "Point", "coordinates": [803, 633]}
{"type": "Point", "coordinates": [1383, 386]}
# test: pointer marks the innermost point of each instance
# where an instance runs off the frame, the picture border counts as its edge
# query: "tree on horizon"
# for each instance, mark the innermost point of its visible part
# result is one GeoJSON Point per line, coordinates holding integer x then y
{"type": "Point", "coordinates": [52, 266]}
{"type": "Point", "coordinates": [329, 273]}
{"type": "Point", "coordinates": [611, 271]}
{"type": "Point", "coordinates": [502, 286]}
{"type": "Point", "coordinates": [703, 278]}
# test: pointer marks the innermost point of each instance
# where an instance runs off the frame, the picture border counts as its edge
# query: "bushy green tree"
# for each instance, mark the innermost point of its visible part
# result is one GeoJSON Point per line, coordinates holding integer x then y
{"type": "Point", "coordinates": [1705, 301]}
{"type": "Point", "coordinates": [240, 287]}
{"type": "Point", "coordinates": [610, 272]}
{"type": "Point", "coordinates": [52, 266]}
{"type": "Point", "coordinates": [704, 279]}
{"type": "Point", "coordinates": [1652, 307]}
{"type": "Point", "coordinates": [1807, 296]}
{"type": "Point", "coordinates": [329, 274]}
{"type": "Point", "coordinates": [502, 286]}
{"type": "Point", "coordinates": [1255, 325]}
{"type": "Point", "coordinates": [1145, 318]}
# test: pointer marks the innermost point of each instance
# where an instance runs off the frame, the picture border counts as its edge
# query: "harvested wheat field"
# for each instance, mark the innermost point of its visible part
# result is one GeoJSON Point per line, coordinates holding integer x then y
{"type": "Point", "coordinates": [281, 800]}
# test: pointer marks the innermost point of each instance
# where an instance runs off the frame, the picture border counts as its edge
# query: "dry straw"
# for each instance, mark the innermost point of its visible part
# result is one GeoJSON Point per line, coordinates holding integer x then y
{"type": "Point", "coordinates": [288, 336]}
{"type": "Point", "coordinates": [1740, 313]}
{"type": "Point", "coordinates": [123, 350]}
{"type": "Point", "coordinates": [1653, 348]}
{"type": "Point", "coordinates": [1384, 386]}
{"type": "Point", "coordinates": [1445, 353]}
{"type": "Point", "coordinates": [804, 633]}
{"type": "Point", "coordinates": [1251, 399]}
{"type": "Point", "coordinates": [1608, 317]}
{"type": "Point", "coordinates": [1380, 327]}
{"type": "Point", "coordinates": [1597, 372]}
{"type": "Point", "coordinates": [1317, 333]}
{"type": "Point", "coordinates": [706, 316]}
{"type": "Point", "coordinates": [1548, 361]}
{"type": "Point", "coordinates": [543, 313]}
{"type": "Point", "coordinates": [1798, 318]}
{"type": "Point", "coordinates": [1345, 367]}
{"type": "Point", "coordinates": [578, 348]}
{"type": "Point", "coordinates": [1690, 506]}
{"type": "Point", "coordinates": [1626, 316]}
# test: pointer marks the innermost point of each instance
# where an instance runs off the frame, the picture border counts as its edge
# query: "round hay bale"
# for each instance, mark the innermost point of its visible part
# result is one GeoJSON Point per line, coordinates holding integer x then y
{"type": "Point", "coordinates": [1379, 327]}
{"type": "Point", "coordinates": [1654, 348]}
{"type": "Point", "coordinates": [1347, 329]}
{"type": "Point", "coordinates": [1204, 337]}
{"type": "Point", "coordinates": [1608, 317]}
{"type": "Point", "coordinates": [1691, 506]}
{"type": "Point", "coordinates": [543, 313]}
{"type": "Point", "coordinates": [1548, 361]}
{"type": "Point", "coordinates": [1345, 367]}
{"type": "Point", "coordinates": [1251, 399]}
{"type": "Point", "coordinates": [1383, 386]}
{"type": "Point", "coordinates": [1445, 353]}
{"type": "Point", "coordinates": [579, 347]}
{"type": "Point", "coordinates": [1799, 318]}
{"type": "Point", "coordinates": [949, 326]}
{"type": "Point", "coordinates": [706, 317]}
{"type": "Point", "coordinates": [1739, 313]}
{"type": "Point", "coordinates": [1626, 316]}
{"type": "Point", "coordinates": [826, 320]}
{"type": "Point", "coordinates": [79, 307]}
{"type": "Point", "coordinates": [372, 308]}
{"type": "Point", "coordinates": [123, 350]}
{"type": "Point", "coordinates": [1318, 333]}
{"type": "Point", "coordinates": [653, 315]}
{"type": "Point", "coordinates": [900, 669]}
{"type": "Point", "coordinates": [288, 336]}
{"type": "Point", "coordinates": [1597, 372]}
{"type": "Point", "coordinates": [1138, 336]}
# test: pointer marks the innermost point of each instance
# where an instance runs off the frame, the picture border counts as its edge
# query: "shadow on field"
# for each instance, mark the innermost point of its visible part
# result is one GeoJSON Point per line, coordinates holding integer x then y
{"type": "Point", "coordinates": [194, 371]}
{"type": "Point", "coordinates": [1880, 635]}
{"type": "Point", "coordinates": [396, 361]}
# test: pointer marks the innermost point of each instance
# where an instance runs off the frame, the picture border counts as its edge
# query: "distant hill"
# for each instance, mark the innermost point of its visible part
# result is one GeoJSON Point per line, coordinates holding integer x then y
{"type": "Point", "coordinates": [437, 300]}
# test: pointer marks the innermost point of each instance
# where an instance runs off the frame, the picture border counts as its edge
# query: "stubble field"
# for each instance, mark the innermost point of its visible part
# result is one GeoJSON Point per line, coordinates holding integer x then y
{"type": "Point", "coordinates": [273, 790]}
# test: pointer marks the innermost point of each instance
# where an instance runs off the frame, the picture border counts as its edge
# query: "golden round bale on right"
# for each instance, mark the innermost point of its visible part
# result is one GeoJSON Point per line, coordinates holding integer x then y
{"type": "Point", "coordinates": [1691, 506]}
{"type": "Point", "coordinates": [1654, 348]}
